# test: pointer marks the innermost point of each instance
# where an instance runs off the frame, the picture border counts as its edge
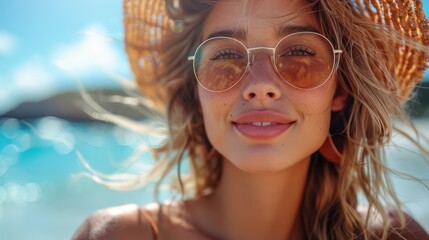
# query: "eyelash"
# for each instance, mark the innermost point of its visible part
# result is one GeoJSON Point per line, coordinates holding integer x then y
{"type": "Point", "coordinates": [299, 51]}
{"type": "Point", "coordinates": [225, 54]}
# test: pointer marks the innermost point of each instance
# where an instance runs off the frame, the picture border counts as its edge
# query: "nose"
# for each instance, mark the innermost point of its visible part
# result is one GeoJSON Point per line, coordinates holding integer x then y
{"type": "Point", "coordinates": [262, 81]}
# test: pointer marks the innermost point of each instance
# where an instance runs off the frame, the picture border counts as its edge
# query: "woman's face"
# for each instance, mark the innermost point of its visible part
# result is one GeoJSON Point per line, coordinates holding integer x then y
{"type": "Point", "coordinates": [263, 124]}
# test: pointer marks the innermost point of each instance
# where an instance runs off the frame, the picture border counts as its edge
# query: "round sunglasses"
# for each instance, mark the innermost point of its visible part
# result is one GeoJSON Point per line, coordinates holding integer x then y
{"type": "Point", "coordinates": [304, 60]}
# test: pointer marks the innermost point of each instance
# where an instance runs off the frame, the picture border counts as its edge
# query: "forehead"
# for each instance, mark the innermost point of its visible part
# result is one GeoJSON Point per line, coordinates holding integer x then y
{"type": "Point", "coordinates": [259, 17]}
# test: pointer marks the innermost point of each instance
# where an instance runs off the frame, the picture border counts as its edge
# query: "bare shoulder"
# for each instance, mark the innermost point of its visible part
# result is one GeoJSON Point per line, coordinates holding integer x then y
{"type": "Point", "coordinates": [411, 230]}
{"type": "Point", "coordinates": [122, 222]}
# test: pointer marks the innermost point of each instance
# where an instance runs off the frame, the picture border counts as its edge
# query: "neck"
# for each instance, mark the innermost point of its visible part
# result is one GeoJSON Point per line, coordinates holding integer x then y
{"type": "Point", "coordinates": [258, 206]}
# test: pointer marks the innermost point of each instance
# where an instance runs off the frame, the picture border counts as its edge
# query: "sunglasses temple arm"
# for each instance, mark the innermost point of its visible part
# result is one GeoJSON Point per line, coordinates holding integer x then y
{"type": "Point", "coordinates": [337, 54]}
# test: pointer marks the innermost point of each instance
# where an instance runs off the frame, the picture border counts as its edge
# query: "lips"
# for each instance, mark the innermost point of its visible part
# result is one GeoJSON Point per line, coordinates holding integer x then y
{"type": "Point", "coordinates": [264, 124]}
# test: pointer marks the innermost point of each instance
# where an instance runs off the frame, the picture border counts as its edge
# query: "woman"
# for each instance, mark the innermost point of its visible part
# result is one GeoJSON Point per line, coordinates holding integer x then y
{"type": "Point", "coordinates": [282, 108]}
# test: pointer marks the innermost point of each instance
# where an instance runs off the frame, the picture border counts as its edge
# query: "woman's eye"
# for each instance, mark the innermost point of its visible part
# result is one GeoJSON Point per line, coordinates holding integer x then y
{"type": "Point", "coordinates": [299, 51]}
{"type": "Point", "coordinates": [226, 54]}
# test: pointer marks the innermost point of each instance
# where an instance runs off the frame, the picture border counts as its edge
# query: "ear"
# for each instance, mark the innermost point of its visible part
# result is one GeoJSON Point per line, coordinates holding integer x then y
{"type": "Point", "coordinates": [339, 100]}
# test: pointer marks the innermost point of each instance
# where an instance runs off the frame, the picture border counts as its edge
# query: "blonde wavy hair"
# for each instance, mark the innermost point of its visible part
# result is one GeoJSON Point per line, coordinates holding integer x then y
{"type": "Point", "coordinates": [366, 71]}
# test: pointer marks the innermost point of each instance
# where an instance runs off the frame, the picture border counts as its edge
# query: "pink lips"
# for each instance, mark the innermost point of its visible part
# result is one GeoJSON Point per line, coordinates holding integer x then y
{"type": "Point", "coordinates": [264, 124]}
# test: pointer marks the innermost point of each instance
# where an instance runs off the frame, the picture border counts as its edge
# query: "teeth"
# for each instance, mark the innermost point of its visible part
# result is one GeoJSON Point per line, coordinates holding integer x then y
{"type": "Point", "coordinates": [262, 124]}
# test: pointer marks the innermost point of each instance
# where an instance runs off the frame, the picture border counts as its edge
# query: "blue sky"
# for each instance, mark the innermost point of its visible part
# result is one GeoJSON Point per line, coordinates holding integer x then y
{"type": "Point", "coordinates": [42, 41]}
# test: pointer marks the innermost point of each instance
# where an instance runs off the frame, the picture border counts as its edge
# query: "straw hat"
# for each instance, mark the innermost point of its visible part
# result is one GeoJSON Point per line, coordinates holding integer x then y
{"type": "Point", "coordinates": [147, 22]}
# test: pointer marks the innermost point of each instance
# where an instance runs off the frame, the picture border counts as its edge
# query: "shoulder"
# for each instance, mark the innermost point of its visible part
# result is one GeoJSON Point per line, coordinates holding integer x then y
{"type": "Point", "coordinates": [122, 222]}
{"type": "Point", "coordinates": [411, 230]}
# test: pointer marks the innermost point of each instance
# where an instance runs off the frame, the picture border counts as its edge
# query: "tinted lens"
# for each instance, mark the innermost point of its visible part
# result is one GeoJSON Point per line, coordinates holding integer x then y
{"type": "Point", "coordinates": [305, 60]}
{"type": "Point", "coordinates": [220, 63]}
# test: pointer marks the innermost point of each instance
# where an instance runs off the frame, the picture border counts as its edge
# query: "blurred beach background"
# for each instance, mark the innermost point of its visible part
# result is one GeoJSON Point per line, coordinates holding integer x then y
{"type": "Point", "coordinates": [47, 49]}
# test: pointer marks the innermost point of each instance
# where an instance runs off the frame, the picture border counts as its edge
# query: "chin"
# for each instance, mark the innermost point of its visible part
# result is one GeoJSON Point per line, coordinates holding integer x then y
{"type": "Point", "coordinates": [262, 163]}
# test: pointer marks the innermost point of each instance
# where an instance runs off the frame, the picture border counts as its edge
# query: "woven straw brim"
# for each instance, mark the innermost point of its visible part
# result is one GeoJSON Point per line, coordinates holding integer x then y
{"type": "Point", "coordinates": [408, 18]}
{"type": "Point", "coordinates": [147, 23]}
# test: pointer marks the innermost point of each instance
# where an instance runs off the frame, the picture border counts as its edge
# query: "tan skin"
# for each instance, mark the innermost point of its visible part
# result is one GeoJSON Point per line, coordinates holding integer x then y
{"type": "Point", "coordinates": [128, 222]}
{"type": "Point", "coordinates": [243, 206]}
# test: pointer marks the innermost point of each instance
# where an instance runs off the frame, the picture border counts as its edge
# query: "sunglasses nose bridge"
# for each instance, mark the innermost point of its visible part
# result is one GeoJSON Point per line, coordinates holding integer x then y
{"type": "Point", "coordinates": [251, 54]}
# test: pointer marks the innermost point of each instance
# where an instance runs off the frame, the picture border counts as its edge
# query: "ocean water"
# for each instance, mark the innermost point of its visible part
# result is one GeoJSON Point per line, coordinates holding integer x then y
{"type": "Point", "coordinates": [41, 196]}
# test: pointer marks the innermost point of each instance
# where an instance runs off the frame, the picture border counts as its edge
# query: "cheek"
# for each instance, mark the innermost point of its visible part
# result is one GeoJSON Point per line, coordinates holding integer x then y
{"type": "Point", "coordinates": [215, 108]}
{"type": "Point", "coordinates": [314, 109]}
{"type": "Point", "coordinates": [313, 102]}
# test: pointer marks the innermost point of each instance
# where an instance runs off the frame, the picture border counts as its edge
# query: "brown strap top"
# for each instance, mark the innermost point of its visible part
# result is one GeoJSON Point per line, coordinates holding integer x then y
{"type": "Point", "coordinates": [152, 223]}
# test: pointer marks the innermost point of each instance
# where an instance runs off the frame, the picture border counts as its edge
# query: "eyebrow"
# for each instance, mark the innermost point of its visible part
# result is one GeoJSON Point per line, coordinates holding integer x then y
{"type": "Point", "coordinates": [290, 29]}
{"type": "Point", "coordinates": [241, 33]}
